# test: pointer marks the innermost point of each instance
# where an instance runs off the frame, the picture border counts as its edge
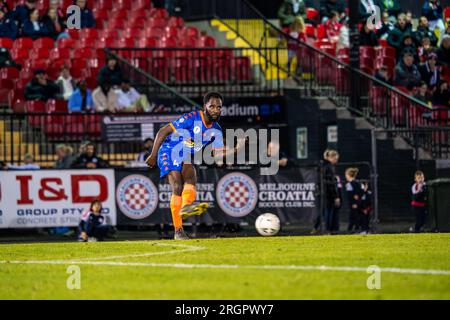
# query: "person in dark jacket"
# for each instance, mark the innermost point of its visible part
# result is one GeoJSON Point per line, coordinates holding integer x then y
{"type": "Point", "coordinates": [54, 24]}
{"type": "Point", "coordinates": [111, 73]}
{"type": "Point", "coordinates": [354, 193]}
{"type": "Point", "coordinates": [33, 27]}
{"type": "Point", "coordinates": [382, 74]}
{"type": "Point", "coordinates": [432, 9]}
{"type": "Point", "coordinates": [289, 10]}
{"type": "Point", "coordinates": [408, 46]}
{"type": "Point", "coordinates": [406, 72]}
{"type": "Point", "coordinates": [444, 51]}
{"type": "Point", "coordinates": [430, 72]}
{"type": "Point", "coordinates": [89, 159]}
{"type": "Point", "coordinates": [441, 97]}
{"type": "Point", "coordinates": [8, 27]}
{"type": "Point", "coordinates": [386, 26]}
{"type": "Point", "coordinates": [366, 207]}
{"type": "Point", "coordinates": [87, 17]}
{"type": "Point", "coordinates": [93, 225]}
{"type": "Point", "coordinates": [330, 193]}
{"type": "Point", "coordinates": [41, 88]}
{"type": "Point", "coordinates": [423, 31]}
{"type": "Point", "coordinates": [368, 37]}
{"type": "Point", "coordinates": [401, 28]}
{"type": "Point", "coordinates": [419, 201]}
{"type": "Point", "coordinates": [22, 12]}
{"type": "Point", "coordinates": [328, 6]}
{"type": "Point", "coordinates": [423, 94]}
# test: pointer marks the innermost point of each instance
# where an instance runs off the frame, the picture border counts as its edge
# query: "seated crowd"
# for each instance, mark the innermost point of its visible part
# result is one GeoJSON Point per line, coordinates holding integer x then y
{"type": "Point", "coordinates": [421, 63]}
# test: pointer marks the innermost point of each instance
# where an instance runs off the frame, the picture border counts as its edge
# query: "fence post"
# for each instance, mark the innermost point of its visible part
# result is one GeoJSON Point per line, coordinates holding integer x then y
{"type": "Point", "coordinates": [375, 177]}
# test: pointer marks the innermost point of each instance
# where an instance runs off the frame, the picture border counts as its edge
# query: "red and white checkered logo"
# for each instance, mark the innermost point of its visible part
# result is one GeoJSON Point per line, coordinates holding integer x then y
{"type": "Point", "coordinates": [137, 196]}
{"type": "Point", "coordinates": [237, 194]}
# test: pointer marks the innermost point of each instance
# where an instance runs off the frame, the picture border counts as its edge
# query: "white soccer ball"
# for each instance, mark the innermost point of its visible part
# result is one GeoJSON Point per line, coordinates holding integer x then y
{"type": "Point", "coordinates": [267, 224]}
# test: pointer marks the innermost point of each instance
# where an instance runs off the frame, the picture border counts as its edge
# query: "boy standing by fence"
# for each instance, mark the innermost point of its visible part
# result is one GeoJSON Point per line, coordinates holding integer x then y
{"type": "Point", "coordinates": [354, 193]}
{"type": "Point", "coordinates": [366, 208]}
{"type": "Point", "coordinates": [419, 200]}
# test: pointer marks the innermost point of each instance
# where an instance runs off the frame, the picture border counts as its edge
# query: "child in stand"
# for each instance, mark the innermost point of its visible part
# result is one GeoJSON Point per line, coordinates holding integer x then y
{"type": "Point", "coordinates": [419, 201]}
{"type": "Point", "coordinates": [93, 225]}
{"type": "Point", "coordinates": [354, 193]}
{"type": "Point", "coordinates": [366, 208]}
{"type": "Point", "coordinates": [296, 31]}
{"type": "Point", "coordinates": [333, 27]}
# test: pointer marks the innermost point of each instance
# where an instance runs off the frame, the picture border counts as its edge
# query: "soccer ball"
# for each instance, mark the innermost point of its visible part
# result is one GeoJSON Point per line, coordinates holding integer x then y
{"type": "Point", "coordinates": [267, 224]}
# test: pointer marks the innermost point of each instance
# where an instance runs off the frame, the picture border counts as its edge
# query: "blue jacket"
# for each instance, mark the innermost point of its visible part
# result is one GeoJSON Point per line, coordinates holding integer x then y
{"type": "Point", "coordinates": [8, 29]}
{"type": "Point", "coordinates": [21, 14]}
{"type": "Point", "coordinates": [28, 30]}
{"type": "Point", "coordinates": [432, 14]}
{"type": "Point", "coordinates": [76, 100]}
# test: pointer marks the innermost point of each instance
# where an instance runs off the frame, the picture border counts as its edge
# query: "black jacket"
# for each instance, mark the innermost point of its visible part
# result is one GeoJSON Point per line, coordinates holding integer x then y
{"type": "Point", "coordinates": [423, 32]}
{"type": "Point", "coordinates": [8, 28]}
{"type": "Point", "coordinates": [427, 74]}
{"type": "Point", "coordinates": [329, 181]}
{"type": "Point", "coordinates": [113, 77]}
{"type": "Point", "coordinates": [396, 35]}
{"type": "Point", "coordinates": [419, 196]}
{"type": "Point", "coordinates": [35, 91]}
{"type": "Point", "coordinates": [368, 39]}
{"type": "Point", "coordinates": [443, 56]}
{"type": "Point", "coordinates": [84, 159]}
{"type": "Point", "coordinates": [354, 194]}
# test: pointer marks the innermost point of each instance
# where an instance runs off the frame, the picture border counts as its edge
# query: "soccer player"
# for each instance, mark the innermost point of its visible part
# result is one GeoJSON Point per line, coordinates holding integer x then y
{"type": "Point", "coordinates": [173, 150]}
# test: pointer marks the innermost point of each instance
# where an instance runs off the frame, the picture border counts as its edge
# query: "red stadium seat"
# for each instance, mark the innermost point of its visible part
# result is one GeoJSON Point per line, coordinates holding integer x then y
{"type": "Point", "coordinates": [47, 43]}
{"type": "Point", "coordinates": [119, 14]}
{"type": "Point", "coordinates": [150, 42]}
{"type": "Point", "coordinates": [5, 86]}
{"type": "Point", "coordinates": [88, 34]}
{"type": "Point", "coordinates": [84, 53]}
{"type": "Point", "coordinates": [16, 100]}
{"type": "Point", "coordinates": [66, 43]}
{"type": "Point", "coordinates": [447, 13]}
{"type": "Point", "coordinates": [104, 4]}
{"type": "Point", "coordinates": [191, 32]}
{"type": "Point", "coordinates": [155, 32]}
{"type": "Point", "coordinates": [175, 22]}
{"type": "Point", "coordinates": [23, 43]}
{"type": "Point", "coordinates": [9, 73]}
{"type": "Point", "coordinates": [108, 33]}
{"type": "Point", "coordinates": [126, 43]}
{"type": "Point", "coordinates": [116, 24]}
{"type": "Point", "coordinates": [377, 100]}
{"type": "Point", "coordinates": [6, 43]}
{"type": "Point", "coordinates": [79, 63]}
{"type": "Point", "coordinates": [40, 53]}
{"type": "Point", "coordinates": [74, 33]}
{"type": "Point", "coordinates": [80, 73]}
{"type": "Point", "coordinates": [37, 64]}
{"type": "Point", "coordinates": [133, 33]}
{"type": "Point", "coordinates": [310, 31]}
{"type": "Point", "coordinates": [386, 52]}
{"type": "Point", "coordinates": [157, 23]}
{"type": "Point", "coordinates": [139, 13]}
{"type": "Point", "coordinates": [59, 53]}
{"type": "Point", "coordinates": [321, 31]}
{"type": "Point", "coordinates": [312, 14]}
{"type": "Point", "coordinates": [366, 62]}
{"type": "Point", "coordinates": [242, 68]}
{"type": "Point", "coordinates": [138, 23]}
{"type": "Point", "coordinates": [159, 13]}
{"type": "Point", "coordinates": [56, 106]}
{"type": "Point", "coordinates": [36, 107]}
{"type": "Point", "coordinates": [367, 52]}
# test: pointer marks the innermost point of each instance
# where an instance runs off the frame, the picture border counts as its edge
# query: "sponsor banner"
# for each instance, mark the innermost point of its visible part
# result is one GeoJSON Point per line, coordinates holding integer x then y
{"type": "Point", "coordinates": [233, 196]}
{"type": "Point", "coordinates": [53, 198]}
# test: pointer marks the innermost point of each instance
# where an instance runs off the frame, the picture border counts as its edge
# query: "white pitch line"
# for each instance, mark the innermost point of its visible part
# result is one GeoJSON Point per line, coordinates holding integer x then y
{"type": "Point", "coordinates": [187, 248]}
{"type": "Point", "coordinates": [229, 266]}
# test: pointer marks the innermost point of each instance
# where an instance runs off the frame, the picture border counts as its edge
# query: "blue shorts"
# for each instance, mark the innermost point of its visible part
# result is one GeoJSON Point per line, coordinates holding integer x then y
{"type": "Point", "coordinates": [166, 163]}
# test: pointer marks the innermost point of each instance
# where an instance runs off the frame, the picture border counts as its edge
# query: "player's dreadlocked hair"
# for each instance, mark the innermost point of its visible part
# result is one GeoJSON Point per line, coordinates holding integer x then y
{"type": "Point", "coordinates": [210, 95]}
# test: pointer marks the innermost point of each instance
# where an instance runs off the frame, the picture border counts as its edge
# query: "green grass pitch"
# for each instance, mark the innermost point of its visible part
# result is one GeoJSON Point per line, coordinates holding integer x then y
{"type": "Point", "coordinates": [413, 266]}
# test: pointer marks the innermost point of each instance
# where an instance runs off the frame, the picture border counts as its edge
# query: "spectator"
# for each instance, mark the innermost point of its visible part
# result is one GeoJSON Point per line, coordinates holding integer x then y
{"type": "Point", "coordinates": [425, 49]}
{"type": "Point", "coordinates": [81, 99]}
{"type": "Point", "coordinates": [147, 147]}
{"type": "Point", "coordinates": [383, 75]}
{"type": "Point", "coordinates": [441, 96]}
{"type": "Point", "coordinates": [40, 88]}
{"type": "Point", "coordinates": [6, 60]}
{"type": "Point", "coordinates": [34, 28]}
{"type": "Point", "coordinates": [386, 26]}
{"type": "Point", "coordinates": [89, 159]}
{"type": "Point", "coordinates": [22, 12]}
{"type": "Point", "coordinates": [54, 25]}
{"type": "Point", "coordinates": [423, 94]}
{"type": "Point", "coordinates": [344, 36]}
{"type": "Point", "coordinates": [29, 164]}
{"type": "Point", "coordinates": [64, 157]}
{"type": "Point", "coordinates": [408, 46]}
{"type": "Point", "coordinates": [66, 83]}
{"type": "Point", "coordinates": [56, 5]}
{"type": "Point", "coordinates": [419, 201]}
{"type": "Point", "coordinates": [289, 10]}
{"type": "Point", "coordinates": [87, 17]}
{"type": "Point", "coordinates": [368, 37]}
{"type": "Point", "coordinates": [328, 6]}
{"type": "Point", "coordinates": [406, 73]}
{"type": "Point", "coordinates": [401, 28]}
{"type": "Point", "coordinates": [8, 27]}
{"type": "Point", "coordinates": [444, 51]}
{"type": "Point", "coordinates": [105, 98]}
{"type": "Point", "coordinates": [432, 9]}
{"type": "Point", "coordinates": [110, 73]}
{"type": "Point", "coordinates": [296, 31]}
{"type": "Point", "coordinates": [93, 224]}
{"type": "Point", "coordinates": [333, 27]}
{"type": "Point", "coordinates": [430, 72]}
{"type": "Point", "coordinates": [129, 100]}
{"type": "Point", "coordinates": [392, 7]}
{"type": "Point", "coordinates": [409, 19]}
{"type": "Point", "coordinates": [423, 31]}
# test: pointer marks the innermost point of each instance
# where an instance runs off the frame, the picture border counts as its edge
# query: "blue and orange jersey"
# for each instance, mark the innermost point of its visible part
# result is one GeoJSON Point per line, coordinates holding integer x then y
{"type": "Point", "coordinates": [191, 130]}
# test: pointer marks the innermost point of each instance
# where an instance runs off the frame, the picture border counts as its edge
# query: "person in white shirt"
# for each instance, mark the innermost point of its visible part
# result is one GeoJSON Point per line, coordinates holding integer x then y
{"type": "Point", "coordinates": [129, 100]}
{"type": "Point", "coordinates": [105, 99]}
{"type": "Point", "coordinates": [28, 164]}
{"type": "Point", "coordinates": [66, 83]}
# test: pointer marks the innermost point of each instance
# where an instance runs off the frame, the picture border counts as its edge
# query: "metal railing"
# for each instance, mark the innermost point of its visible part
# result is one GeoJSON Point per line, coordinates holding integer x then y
{"type": "Point", "coordinates": [195, 71]}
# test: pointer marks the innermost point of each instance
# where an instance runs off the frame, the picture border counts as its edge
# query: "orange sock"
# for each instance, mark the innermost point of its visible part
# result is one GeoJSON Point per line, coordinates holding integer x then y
{"type": "Point", "coordinates": [175, 207]}
{"type": "Point", "coordinates": [188, 195]}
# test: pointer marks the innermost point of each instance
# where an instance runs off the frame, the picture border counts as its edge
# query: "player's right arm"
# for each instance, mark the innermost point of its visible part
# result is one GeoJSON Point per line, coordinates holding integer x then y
{"type": "Point", "coordinates": [159, 139]}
